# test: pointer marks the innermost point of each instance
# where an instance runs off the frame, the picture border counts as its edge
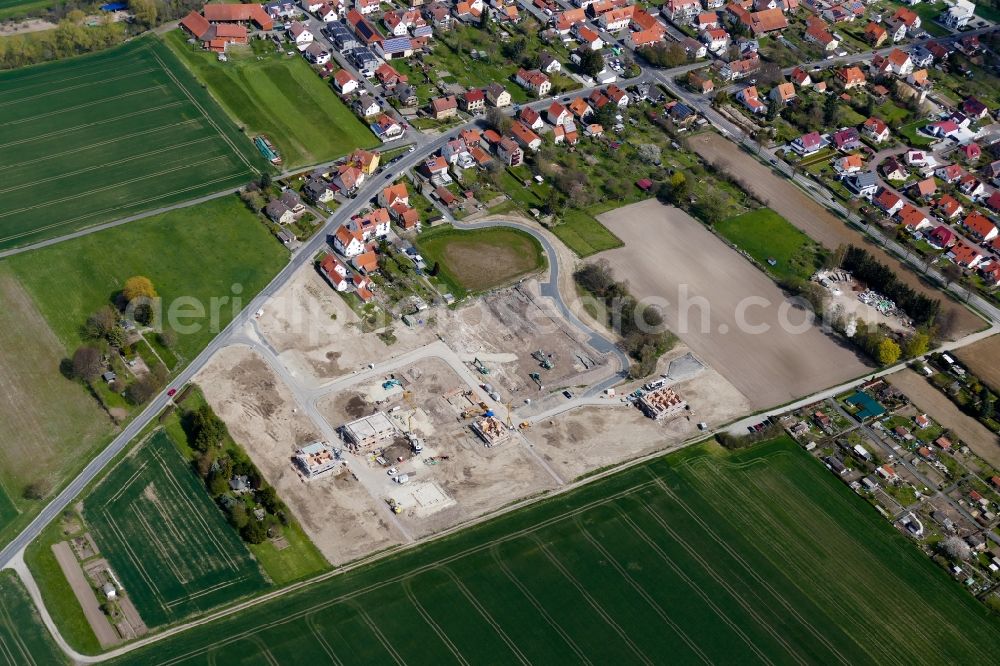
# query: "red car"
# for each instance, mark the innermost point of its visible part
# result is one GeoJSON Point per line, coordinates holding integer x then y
{"type": "Point", "coordinates": [171, 392]}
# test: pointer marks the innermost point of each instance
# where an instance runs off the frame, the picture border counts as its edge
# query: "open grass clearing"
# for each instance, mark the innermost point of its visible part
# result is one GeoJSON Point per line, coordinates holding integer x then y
{"type": "Point", "coordinates": [99, 137]}
{"type": "Point", "coordinates": [480, 259]}
{"type": "Point", "coordinates": [280, 96]}
{"type": "Point", "coordinates": [217, 249]}
{"type": "Point", "coordinates": [165, 539]}
{"type": "Point", "coordinates": [715, 556]}
{"type": "Point", "coordinates": [766, 236]}
{"type": "Point", "coordinates": [48, 423]}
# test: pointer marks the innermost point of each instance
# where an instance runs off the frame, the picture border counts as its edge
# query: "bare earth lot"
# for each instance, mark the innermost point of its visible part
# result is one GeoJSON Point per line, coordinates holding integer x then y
{"type": "Point", "coordinates": [465, 479]}
{"type": "Point", "coordinates": [667, 252]}
{"type": "Point", "coordinates": [940, 408]}
{"type": "Point", "coordinates": [583, 440]}
{"type": "Point", "coordinates": [318, 336]}
{"type": "Point", "coordinates": [815, 220]}
{"type": "Point", "coordinates": [983, 358]}
{"type": "Point", "coordinates": [336, 511]}
{"type": "Point", "coordinates": [46, 420]}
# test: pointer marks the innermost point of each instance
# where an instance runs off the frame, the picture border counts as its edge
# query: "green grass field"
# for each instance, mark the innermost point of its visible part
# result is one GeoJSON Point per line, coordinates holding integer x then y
{"type": "Point", "coordinates": [756, 557]}
{"type": "Point", "coordinates": [193, 253]}
{"type": "Point", "coordinates": [763, 234]}
{"type": "Point", "coordinates": [281, 97]}
{"type": "Point", "coordinates": [480, 259]}
{"type": "Point", "coordinates": [100, 137]}
{"type": "Point", "coordinates": [584, 234]}
{"type": "Point", "coordinates": [13, 8]}
{"type": "Point", "coordinates": [165, 539]}
{"type": "Point", "coordinates": [24, 641]}
{"type": "Point", "coordinates": [8, 511]}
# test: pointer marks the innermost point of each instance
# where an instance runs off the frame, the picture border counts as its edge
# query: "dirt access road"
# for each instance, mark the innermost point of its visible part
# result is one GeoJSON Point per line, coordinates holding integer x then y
{"type": "Point", "coordinates": [668, 254]}
{"type": "Point", "coordinates": [815, 220]}
{"type": "Point", "coordinates": [937, 405]}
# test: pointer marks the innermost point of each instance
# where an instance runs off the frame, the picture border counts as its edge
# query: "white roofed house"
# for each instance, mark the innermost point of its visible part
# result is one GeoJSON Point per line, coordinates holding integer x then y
{"type": "Point", "coordinates": [300, 34]}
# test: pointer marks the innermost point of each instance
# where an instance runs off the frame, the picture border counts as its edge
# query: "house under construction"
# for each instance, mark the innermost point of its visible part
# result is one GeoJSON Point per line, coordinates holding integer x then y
{"type": "Point", "coordinates": [315, 459]}
{"type": "Point", "coordinates": [663, 403]}
{"type": "Point", "coordinates": [369, 431]}
{"type": "Point", "coordinates": [491, 429]}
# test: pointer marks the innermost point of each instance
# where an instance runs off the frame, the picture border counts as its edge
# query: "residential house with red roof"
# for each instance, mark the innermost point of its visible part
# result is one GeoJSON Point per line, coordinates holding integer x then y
{"type": "Point", "coordinates": [783, 93]}
{"type": "Point", "coordinates": [912, 218]}
{"type": "Point", "coordinates": [941, 237]}
{"type": "Point", "coordinates": [533, 80]}
{"type": "Point", "coordinates": [851, 77]}
{"type": "Point", "coordinates": [875, 129]}
{"type": "Point", "coordinates": [965, 255]}
{"type": "Point", "coordinates": [335, 272]}
{"type": "Point", "coordinates": [473, 101]}
{"type": "Point", "coordinates": [347, 242]}
{"type": "Point", "coordinates": [509, 152]}
{"type": "Point", "coordinates": [345, 82]}
{"type": "Point", "coordinates": [444, 107]}
{"type": "Point", "coordinates": [925, 188]}
{"type": "Point", "coordinates": [751, 100]}
{"type": "Point", "coordinates": [524, 136]}
{"type": "Point", "coordinates": [971, 186]}
{"type": "Point", "coordinates": [949, 207]}
{"type": "Point", "coordinates": [979, 227]}
{"type": "Point", "coordinates": [950, 173]}
{"type": "Point", "coordinates": [875, 34]}
{"type": "Point", "coordinates": [888, 201]}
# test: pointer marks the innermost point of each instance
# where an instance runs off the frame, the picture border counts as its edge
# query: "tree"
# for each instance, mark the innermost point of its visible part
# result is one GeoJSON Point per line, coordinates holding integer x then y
{"type": "Point", "coordinates": [916, 345]}
{"type": "Point", "coordinates": [888, 351]}
{"type": "Point", "coordinates": [238, 516]}
{"type": "Point", "coordinates": [101, 322]}
{"type": "Point", "coordinates": [138, 286]}
{"type": "Point", "coordinates": [986, 403]}
{"type": "Point", "coordinates": [650, 152]}
{"type": "Point", "coordinates": [951, 273]}
{"type": "Point", "coordinates": [145, 11]}
{"type": "Point", "coordinates": [265, 180]}
{"type": "Point", "coordinates": [956, 549]}
{"type": "Point", "coordinates": [37, 489]}
{"type": "Point", "coordinates": [87, 363]}
{"type": "Point", "coordinates": [268, 499]}
{"type": "Point", "coordinates": [254, 531]}
{"type": "Point", "coordinates": [591, 62]}
{"type": "Point", "coordinates": [140, 390]}
{"type": "Point", "coordinates": [209, 430]}
{"type": "Point", "coordinates": [167, 337]}
{"type": "Point", "coordinates": [498, 121]}
{"type": "Point", "coordinates": [830, 107]}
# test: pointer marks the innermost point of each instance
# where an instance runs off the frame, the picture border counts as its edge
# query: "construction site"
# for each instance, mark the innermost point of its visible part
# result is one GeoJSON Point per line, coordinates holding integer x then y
{"type": "Point", "coordinates": [432, 445]}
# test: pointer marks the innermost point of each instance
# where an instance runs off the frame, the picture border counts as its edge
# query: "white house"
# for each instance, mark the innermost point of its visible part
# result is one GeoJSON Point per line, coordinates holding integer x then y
{"type": "Point", "coordinates": [347, 242]}
{"type": "Point", "coordinates": [301, 35]}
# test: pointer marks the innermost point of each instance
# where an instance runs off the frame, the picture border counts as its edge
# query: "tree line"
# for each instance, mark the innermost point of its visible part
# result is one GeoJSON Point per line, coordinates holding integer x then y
{"type": "Point", "coordinates": [921, 309]}
{"type": "Point", "coordinates": [644, 337]}
{"type": "Point", "coordinates": [217, 460]}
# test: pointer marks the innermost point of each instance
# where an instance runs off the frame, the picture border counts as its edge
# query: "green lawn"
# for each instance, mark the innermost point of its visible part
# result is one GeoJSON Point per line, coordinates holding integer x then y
{"type": "Point", "coordinates": [890, 112]}
{"type": "Point", "coordinates": [13, 8]}
{"type": "Point", "coordinates": [582, 233]}
{"type": "Point", "coordinates": [23, 637]}
{"type": "Point", "coordinates": [480, 259]}
{"type": "Point", "coordinates": [8, 511]}
{"type": "Point", "coordinates": [914, 140]}
{"type": "Point", "coordinates": [192, 255]}
{"type": "Point", "coordinates": [282, 97]}
{"type": "Point", "coordinates": [757, 556]}
{"type": "Point", "coordinates": [167, 541]}
{"type": "Point", "coordinates": [764, 235]}
{"type": "Point", "coordinates": [100, 137]}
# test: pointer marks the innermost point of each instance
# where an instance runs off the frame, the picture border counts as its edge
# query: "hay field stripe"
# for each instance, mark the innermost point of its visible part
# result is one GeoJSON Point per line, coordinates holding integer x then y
{"type": "Point", "coordinates": [156, 538]}
{"type": "Point", "coordinates": [80, 149]}
{"type": "Point", "coordinates": [379, 636]}
{"type": "Point", "coordinates": [479, 548]}
{"type": "Point", "coordinates": [551, 621]}
{"type": "Point", "coordinates": [104, 100]}
{"type": "Point", "coordinates": [472, 599]}
{"type": "Point", "coordinates": [742, 562]}
{"type": "Point", "coordinates": [108, 210]}
{"type": "Point", "coordinates": [128, 482]}
{"type": "Point", "coordinates": [791, 563]}
{"type": "Point", "coordinates": [206, 591]}
{"type": "Point", "coordinates": [105, 188]}
{"type": "Point", "coordinates": [648, 598]}
{"type": "Point", "coordinates": [59, 91]}
{"type": "Point", "coordinates": [680, 573]}
{"type": "Point", "coordinates": [67, 130]}
{"type": "Point", "coordinates": [8, 621]}
{"type": "Point", "coordinates": [443, 636]}
{"type": "Point", "coordinates": [134, 558]}
{"type": "Point", "coordinates": [198, 106]}
{"type": "Point", "coordinates": [589, 598]}
{"type": "Point", "coordinates": [86, 65]}
{"type": "Point", "coordinates": [98, 167]}
{"type": "Point", "coordinates": [321, 639]}
{"type": "Point", "coordinates": [186, 501]}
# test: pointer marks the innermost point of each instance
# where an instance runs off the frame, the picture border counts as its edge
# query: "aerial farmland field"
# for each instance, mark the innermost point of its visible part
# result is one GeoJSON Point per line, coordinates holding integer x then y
{"type": "Point", "coordinates": [9, 8]}
{"type": "Point", "coordinates": [24, 641]}
{"type": "Point", "coordinates": [100, 137]}
{"type": "Point", "coordinates": [166, 540]}
{"type": "Point", "coordinates": [704, 555]}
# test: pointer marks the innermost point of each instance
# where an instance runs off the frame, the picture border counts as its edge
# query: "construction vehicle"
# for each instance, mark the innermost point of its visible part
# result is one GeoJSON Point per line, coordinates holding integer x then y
{"type": "Point", "coordinates": [480, 366]}
{"type": "Point", "coordinates": [524, 425]}
{"type": "Point", "coordinates": [537, 378]}
{"type": "Point", "coordinates": [388, 384]}
{"type": "Point", "coordinates": [543, 359]}
{"type": "Point", "coordinates": [394, 506]}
